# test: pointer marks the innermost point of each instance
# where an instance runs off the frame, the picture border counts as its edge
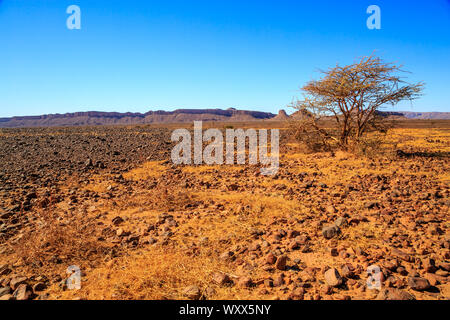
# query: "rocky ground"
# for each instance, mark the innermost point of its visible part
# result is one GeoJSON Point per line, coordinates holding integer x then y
{"type": "Point", "coordinates": [109, 201]}
{"type": "Point", "coordinates": [35, 163]}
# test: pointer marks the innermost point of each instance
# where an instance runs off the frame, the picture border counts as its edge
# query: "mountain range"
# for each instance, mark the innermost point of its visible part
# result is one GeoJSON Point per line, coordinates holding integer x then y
{"type": "Point", "coordinates": [178, 116]}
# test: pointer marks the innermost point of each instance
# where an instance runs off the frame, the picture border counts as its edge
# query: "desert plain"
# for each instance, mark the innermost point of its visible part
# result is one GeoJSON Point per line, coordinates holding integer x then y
{"type": "Point", "coordinates": [109, 200]}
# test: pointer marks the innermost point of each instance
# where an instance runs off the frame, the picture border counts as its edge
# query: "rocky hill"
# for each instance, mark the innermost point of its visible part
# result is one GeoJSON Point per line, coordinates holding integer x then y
{"type": "Point", "coordinates": [178, 116]}
{"type": "Point", "coordinates": [282, 115]}
{"type": "Point", "coordinates": [395, 115]}
{"type": "Point", "coordinates": [426, 115]}
{"type": "Point", "coordinates": [116, 118]}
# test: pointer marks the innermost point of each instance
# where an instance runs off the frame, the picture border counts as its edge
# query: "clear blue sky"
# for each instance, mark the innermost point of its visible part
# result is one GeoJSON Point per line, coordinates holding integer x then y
{"type": "Point", "coordinates": [149, 55]}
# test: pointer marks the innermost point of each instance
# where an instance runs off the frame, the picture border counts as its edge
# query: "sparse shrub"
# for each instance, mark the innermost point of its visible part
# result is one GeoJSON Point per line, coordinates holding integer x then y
{"type": "Point", "coordinates": [312, 140]}
{"type": "Point", "coordinates": [374, 145]}
{"type": "Point", "coordinates": [55, 242]}
{"type": "Point", "coordinates": [170, 198]}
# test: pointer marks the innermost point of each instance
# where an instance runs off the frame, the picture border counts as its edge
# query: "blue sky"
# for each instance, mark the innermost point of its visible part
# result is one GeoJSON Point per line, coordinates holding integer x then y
{"type": "Point", "coordinates": [149, 55]}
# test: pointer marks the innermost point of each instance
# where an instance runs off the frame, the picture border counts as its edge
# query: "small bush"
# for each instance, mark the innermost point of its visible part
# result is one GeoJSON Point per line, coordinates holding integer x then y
{"type": "Point", "coordinates": [55, 242]}
{"type": "Point", "coordinates": [373, 146]}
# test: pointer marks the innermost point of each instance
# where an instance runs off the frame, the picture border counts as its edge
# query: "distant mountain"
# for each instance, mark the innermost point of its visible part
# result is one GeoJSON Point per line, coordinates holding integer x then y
{"type": "Point", "coordinates": [416, 115]}
{"type": "Point", "coordinates": [178, 116]}
{"type": "Point", "coordinates": [426, 115]}
{"type": "Point", "coordinates": [394, 115]}
{"type": "Point", "coordinates": [282, 115]}
{"type": "Point", "coordinates": [116, 118]}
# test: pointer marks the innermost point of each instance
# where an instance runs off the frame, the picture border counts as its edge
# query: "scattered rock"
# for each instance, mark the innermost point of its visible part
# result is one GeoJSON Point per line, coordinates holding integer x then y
{"type": "Point", "coordinates": [418, 283]}
{"type": "Point", "coordinates": [340, 222]}
{"type": "Point", "coordinates": [40, 286]}
{"type": "Point", "coordinates": [347, 271]}
{"type": "Point", "coordinates": [5, 290]}
{"type": "Point", "coordinates": [16, 281]}
{"type": "Point", "coordinates": [117, 220]}
{"type": "Point", "coordinates": [394, 294]}
{"type": "Point", "coordinates": [245, 282]}
{"type": "Point", "coordinates": [22, 292]}
{"type": "Point", "coordinates": [401, 255]}
{"type": "Point", "coordinates": [227, 256]}
{"type": "Point", "coordinates": [7, 297]}
{"type": "Point", "coordinates": [270, 258]}
{"type": "Point", "coordinates": [4, 270]}
{"type": "Point", "coordinates": [221, 278]}
{"type": "Point", "coordinates": [297, 294]}
{"type": "Point", "coordinates": [278, 281]}
{"type": "Point", "coordinates": [330, 231]}
{"type": "Point", "coordinates": [333, 278]}
{"type": "Point", "coordinates": [333, 252]}
{"type": "Point", "coordinates": [192, 292]}
{"type": "Point", "coordinates": [281, 262]}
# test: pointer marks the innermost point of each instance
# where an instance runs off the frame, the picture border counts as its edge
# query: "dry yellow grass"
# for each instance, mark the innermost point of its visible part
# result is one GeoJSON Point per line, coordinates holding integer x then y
{"type": "Point", "coordinates": [160, 272]}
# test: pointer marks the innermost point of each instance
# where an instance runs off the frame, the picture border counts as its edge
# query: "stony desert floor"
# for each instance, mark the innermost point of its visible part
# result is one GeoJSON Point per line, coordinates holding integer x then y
{"type": "Point", "coordinates": [109, 200]}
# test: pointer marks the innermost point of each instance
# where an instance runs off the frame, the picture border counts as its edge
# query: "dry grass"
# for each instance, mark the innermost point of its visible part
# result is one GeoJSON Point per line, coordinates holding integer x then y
{"type": "Point", "coordinates": [227, 219]}
{"type": "Point", "coordinates": [52, 242]}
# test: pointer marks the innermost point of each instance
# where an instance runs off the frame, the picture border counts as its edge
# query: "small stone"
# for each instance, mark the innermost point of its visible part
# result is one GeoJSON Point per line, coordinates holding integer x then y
{"type": "Point", "coordinates": [88, 163]}
{"type": "Point", "coordinates": [432, 279]}
{"type": "Point", "coordinates": [278, 281]}
{"type": "Point", "coordinates": [150, 240]}
{"type": "Point", "coordinates": [192, 292]}
{"type": "Point", "coordinates": [391, 265]}
{"type": "Point", "coordinates": [442, 273]}
{"type": "Point", "coordinates": [22, 292]}
{"type": "Point", "coordinates": [429, 265]}
{"type": "Point", "coordinates": [402, 271]}
{"type": "Point", "coordinates": [221, 278]}
{"type": "Point", "coordinates": [4, 270]}
{"type": "Point", "coordinates": [297, 294]}
{"type": "Point", "coordinates": [333, 278]}
{"type": "Point", "coordinates": [326, 290]}
{"type": "Point", "coordinates": [226, 256]}
{"type": "Point", "coordinates": [40, 286]}
{"type": "Point", "coordinates": [394, 294]}
{"type": "Point", "coordinates": [347, 270]}
{"type": "Point", "coordinates": [294, 245]}
{"type": "Point", "coordinates": [341, 222]}
{"type": "Point", "coordinates": [292, 234]}
{"type": "Point", "coordinates": [330, 231]}
{"type": "Point", "coordinates": [401, 255]}
{"type": "Point", "coordinates": [281, 262]}
{"type": "Point", "coordinates": [5, 290]}
{"type": "Point", "coordinates": [418, 283]}
{"type": "Point", "coordinates": [270, 258]}
{"type": "Point", "coordinates": [333, 252]}
{"type": "Point", "coordinates": [245, 282]}
{"type": "Point", "coordinates": [210, 291]}
{"type": "Point", "coordinates": [268, 283]}
{"type": "Point", "coordinates": [445, 266]}
{"type": "Point", "coordinates": [254, 246]}
{"type": "Point", "coordinates": [7, 297]}
{"type": "Point", "coordinates": [117, 220]}
{"type": "Point", "coordinates": [16, 281]}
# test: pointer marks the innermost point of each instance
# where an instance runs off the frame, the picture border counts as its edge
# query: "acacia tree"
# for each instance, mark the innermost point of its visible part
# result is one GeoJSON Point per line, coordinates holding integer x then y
{"type": "Point", "coordinates": [350, 96]}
